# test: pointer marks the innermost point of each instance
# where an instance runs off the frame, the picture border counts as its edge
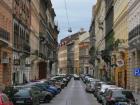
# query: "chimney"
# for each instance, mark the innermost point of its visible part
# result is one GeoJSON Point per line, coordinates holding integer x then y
{"type": "Point", "coordinates": [82, 30]}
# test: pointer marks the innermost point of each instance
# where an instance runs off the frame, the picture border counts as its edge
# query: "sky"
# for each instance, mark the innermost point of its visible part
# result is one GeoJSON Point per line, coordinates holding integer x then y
{"type": "Point", "coordinates": [79, 14]}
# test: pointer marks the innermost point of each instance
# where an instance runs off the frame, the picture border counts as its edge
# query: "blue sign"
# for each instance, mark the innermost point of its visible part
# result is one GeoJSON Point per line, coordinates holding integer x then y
{"type": "Point", "coordinates": [137, 72]}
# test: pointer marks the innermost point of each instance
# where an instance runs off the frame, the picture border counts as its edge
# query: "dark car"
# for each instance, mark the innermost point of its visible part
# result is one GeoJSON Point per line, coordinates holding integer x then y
{"type": "Point", "coordinates": [114, 97]}
{"type": "Point", "coordinates": [44, 96]}
{"type": "Point", "coordinates": [26, 96]}
{"type": "Point", "coordinates": [58, 81]}
{"type": "Point", "coordinates": [48, 88]}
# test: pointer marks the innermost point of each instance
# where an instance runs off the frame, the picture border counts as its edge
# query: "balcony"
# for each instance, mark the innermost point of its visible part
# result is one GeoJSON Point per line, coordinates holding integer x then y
{"type": "Point", "coordinates": [134, 33]}
{"type": "Point", "coordinates": [5, 61]}
{"type": "Point", "coordinates": [4, 37]}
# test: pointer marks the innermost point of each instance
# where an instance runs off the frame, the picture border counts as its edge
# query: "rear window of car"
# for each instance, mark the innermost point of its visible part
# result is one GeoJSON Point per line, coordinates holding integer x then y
{"type": "Point", "coordinates": [125, 94]}
{"type": "Point", "coordinates": [23, 93]}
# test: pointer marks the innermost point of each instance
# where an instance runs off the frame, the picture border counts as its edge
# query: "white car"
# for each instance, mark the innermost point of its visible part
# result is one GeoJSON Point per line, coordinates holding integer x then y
{"type": "Point", "coordinates": [76, 77]}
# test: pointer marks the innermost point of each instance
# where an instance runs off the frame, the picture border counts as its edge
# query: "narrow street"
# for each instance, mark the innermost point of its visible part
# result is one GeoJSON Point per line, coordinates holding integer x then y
{"type": "Point", "coordinates": [74, 94]}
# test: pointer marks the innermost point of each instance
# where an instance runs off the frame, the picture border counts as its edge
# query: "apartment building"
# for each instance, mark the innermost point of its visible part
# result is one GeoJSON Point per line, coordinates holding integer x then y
{"type": "Point", "coordinates": [6, 37]}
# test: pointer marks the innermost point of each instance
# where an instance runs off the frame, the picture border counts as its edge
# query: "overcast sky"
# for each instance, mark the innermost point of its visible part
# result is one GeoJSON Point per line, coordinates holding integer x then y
{"type": "Point", "coordinates": [79, 12]}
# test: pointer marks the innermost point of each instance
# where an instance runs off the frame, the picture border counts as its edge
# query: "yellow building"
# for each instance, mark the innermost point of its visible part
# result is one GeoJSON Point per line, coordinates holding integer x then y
{"type": "Point", "coordinates": [120, 53]}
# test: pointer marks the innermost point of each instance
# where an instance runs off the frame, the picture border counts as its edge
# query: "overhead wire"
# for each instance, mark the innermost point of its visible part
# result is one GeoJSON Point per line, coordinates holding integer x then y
{"type": "Point", "coordinates": [67, 16]}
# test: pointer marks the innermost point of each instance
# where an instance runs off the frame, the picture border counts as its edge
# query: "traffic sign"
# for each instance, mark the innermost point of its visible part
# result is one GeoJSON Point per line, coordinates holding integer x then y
{"type": "Point", "coordinates": [137, 72]}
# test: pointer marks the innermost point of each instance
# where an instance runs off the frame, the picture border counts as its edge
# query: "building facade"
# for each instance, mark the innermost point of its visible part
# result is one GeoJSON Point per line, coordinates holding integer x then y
{"type": "Point", "coordinates": [76, 56]}
{"type": "Point", "coordinates": [34, 39]}
{"type": "Point", "coordinates": [92, 42]}
{"type": "Point", "coordinates": [134, 39]}
{"type": "Point", "coordinates": [100, 37]}
{"type": "Point", "coordinates": [69, 53]}
{"type": "Point", "coordinates": [28, 41]}
{"type": "Point", "coordinates": [52, 37]}
{"type": "Point", "coordinates": [84, 45]}
{"type": "Point", "coordinates": [6, 37]}
{"type": "Point", "coordinates": [62, 57]}
{"type": "Point", "coordinates": [109, 38]}
{"type": "Point", "coordinates": [48, 34]}
{"type": "Point", "coordinates": [21, 42]}
{"type": "Point", "coordinates": [120, 48]}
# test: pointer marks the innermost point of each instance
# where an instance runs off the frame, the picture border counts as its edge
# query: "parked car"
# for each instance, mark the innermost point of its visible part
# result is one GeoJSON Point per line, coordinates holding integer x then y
{"type": "Point", "coordinates": [59, 79]}
{"type": "Point", "coordinates": [76, 77]}
{"type": "Point", "coordinates": [48, 88]}
{"type": "Point", "coordinates": [90, 86]}
{"type": "Point", "coordinates": [45, 94]}
{"type": "Point", "coordinates": [27, 96]}
{"type": "Point", "coordinates": [116, 96]}
{"type": "Point", "coordinates": [4, 100]}
{"type": "Point", "coordinates": [52, 84]}
{"type": "Point", "coordinates": [104, 88]}
{"type": "Point", "coordinates": [98, 85]}
{"type": "Point", "coordinates": [86, 78]}
{"type": "Point", "coordinates": [10, 91]}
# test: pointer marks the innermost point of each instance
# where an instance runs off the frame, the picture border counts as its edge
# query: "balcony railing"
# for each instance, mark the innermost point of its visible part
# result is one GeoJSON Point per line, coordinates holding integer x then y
{"type": "Point", "coordinates": [5, 60]}
{"type": "Point", "coordinates": [4, 35]}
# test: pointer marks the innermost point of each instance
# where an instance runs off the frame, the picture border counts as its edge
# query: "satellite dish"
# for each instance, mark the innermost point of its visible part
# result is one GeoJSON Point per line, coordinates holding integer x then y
{"type": "Point", "coordinates": [70, 29]}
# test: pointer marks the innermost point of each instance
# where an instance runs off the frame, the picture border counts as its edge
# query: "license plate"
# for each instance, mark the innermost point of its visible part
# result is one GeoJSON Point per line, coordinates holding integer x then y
{"type": "Point", "coordinates": [19, 102]}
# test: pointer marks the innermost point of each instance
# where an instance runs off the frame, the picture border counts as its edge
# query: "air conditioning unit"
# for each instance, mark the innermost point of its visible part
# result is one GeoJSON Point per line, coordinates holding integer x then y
{"type": "Point", "coordinates": [4, 60]}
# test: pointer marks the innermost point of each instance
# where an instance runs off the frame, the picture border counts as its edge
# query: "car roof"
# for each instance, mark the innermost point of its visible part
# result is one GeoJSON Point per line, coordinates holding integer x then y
{"type": "Point", "coordinates": [122, 90]}
{"type": "Point", "coordinates": [115, 88]}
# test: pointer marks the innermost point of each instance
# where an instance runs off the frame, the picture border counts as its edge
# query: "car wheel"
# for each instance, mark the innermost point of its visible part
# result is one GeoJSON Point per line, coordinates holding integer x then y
{"type": "Point", "coordinates": [47, 99]}
{"type": "Point", "coordinates": [107, 103]}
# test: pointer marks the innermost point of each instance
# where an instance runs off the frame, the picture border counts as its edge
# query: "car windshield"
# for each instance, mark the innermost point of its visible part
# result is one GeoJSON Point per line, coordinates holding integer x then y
{"type": "Point", "coordinates": [23, 93]}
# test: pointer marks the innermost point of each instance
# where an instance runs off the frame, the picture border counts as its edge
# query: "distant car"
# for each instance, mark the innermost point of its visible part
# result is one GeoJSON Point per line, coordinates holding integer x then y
{"type": "Point", "coordinates": [76, 77]}
{"type": "Point", "coordinates": [26, 96]}
{"type": "Point", "coordinates": [4, 100]}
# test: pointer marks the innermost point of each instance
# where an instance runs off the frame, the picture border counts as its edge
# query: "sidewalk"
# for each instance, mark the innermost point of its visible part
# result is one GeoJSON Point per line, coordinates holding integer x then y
{"type": "Point", "coordinates": [137, 96]}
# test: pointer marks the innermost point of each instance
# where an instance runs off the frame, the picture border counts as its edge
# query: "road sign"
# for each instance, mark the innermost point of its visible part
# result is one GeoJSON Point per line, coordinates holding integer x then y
{"type": "Point", "coordinates": [137, 72]}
